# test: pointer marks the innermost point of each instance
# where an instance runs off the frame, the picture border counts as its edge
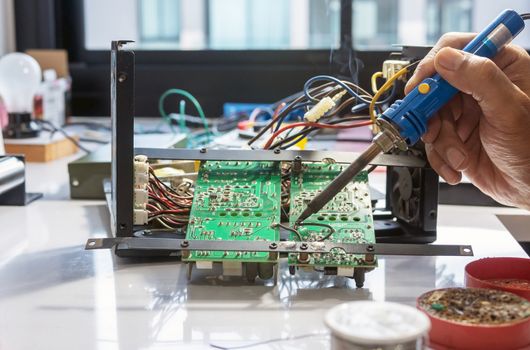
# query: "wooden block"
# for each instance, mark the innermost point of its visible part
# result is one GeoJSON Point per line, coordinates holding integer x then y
{"type": "Point", "coordinates": [42, 148]}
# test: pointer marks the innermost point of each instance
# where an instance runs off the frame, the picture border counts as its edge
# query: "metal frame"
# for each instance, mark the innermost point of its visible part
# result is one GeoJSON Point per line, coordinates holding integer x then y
{"type": "Point", "coordinates": [127, 243]}
{"type": "Point", "coordinates": [184, 245]}
{"type": "Point", "coordinates": [122, 115]}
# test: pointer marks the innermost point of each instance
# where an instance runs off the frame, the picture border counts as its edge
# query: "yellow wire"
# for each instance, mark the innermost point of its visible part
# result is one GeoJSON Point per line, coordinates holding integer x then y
{"type": "Point", "coordinates": [384, 88]}
{"type": "Point", "coordinates": [374, 80]}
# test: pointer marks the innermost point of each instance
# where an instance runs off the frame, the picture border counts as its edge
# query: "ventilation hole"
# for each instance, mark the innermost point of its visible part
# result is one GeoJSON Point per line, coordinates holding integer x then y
{"type": "Point", "coordinates": [258, 214]}
{"type": "Point", "coordinates": [357, 219]}
{"type": "Point", "coordinates": [246, 214]}
{"type": "Point", "coordinates": [344, 218]}
{"type": "Point", "coordinates": [320, 218]}
{"type": "Point", "coordinates": [333, 218]}
{"type": "Point", "coordinates": [234, 214]}
{"type": "Point", "coordinates": [222, 214]}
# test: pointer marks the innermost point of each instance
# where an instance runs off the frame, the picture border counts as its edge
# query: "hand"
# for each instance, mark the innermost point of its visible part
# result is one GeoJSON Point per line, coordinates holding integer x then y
{"type": "Point", "coordinates": [484, 132]}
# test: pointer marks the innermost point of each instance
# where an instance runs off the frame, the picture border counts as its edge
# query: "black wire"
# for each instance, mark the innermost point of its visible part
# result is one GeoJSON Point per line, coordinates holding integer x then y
{"type": "Point", "coordinates": [290, 229]}
{"type": "Point", "coordinates": [308, 130]}
{"type": "Point", "coordinates": [286, 111]}
{"type": "Point", "coordinates": [525, 16]}
{"type": "Point", "coordinates": [371, 168]}
{"type": "Point", "coordinates": [63, 132]}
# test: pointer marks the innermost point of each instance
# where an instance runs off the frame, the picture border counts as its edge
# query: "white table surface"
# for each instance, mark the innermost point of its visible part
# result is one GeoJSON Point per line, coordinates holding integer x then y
{"type": "Point", "coordinates": [55, 295]}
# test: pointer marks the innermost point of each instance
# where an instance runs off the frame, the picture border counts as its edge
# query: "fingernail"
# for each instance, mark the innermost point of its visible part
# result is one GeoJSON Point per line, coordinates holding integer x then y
{"type": "Point", "coordinates": [448, 174]}
{"type": "Point", "coordinates": [450, 59]}
{"type": "Point", "coordinates": [455, 157]}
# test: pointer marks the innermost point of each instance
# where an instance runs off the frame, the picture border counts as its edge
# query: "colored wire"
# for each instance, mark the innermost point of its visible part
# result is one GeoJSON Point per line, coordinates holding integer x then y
{"type": "Point", "coordinates": [304, 132]}
{"type": "Point", "coordinates": [189, 97]}
{"type": "Point", "coordinates": [383, 88]}
{"type": "Point", "coordinates": [375, 76]}
{"type": "Point", "coordinates": [182, 113]}
{"type": "Point", "coordinates": [387, 86]}
{"type": "Point", "coordinates": [286, 111]}
{"type": "Point", "coordinates": [339, 82]}
{"type": "Point", "coordinates": [317, 125]}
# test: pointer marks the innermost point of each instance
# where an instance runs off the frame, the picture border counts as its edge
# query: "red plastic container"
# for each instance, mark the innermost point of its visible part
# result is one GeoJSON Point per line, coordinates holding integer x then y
{"type": "Point", "coordinates": [480, 273]}
{"type": "Point", "coordinates": [449, 335]}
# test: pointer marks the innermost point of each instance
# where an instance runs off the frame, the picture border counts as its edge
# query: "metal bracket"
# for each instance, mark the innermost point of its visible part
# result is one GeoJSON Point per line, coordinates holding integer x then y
{"type": "Point", "coordinates": [174, 244]}
{"type": "Point", "coordinates": [276, 155]}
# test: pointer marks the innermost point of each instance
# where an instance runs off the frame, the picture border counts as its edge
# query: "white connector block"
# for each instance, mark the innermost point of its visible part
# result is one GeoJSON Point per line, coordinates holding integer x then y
{"type": "Point", "coordinates": [318, 110]}
{"type": "Point", "coordinates": [140, 198]}
{"type": "Point", "coordinates": [140, 217]}
{"type": "Point", "coordinates": [322, 107]}
{"type": "Point", "coordinates": [391, 67]}
{"type": "Point", "coordinates": [141, 171]}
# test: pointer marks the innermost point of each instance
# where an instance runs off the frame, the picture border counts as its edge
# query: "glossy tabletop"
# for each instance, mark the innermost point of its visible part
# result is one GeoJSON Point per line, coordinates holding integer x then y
{"type": "Point", "coordinates": [56, 295]}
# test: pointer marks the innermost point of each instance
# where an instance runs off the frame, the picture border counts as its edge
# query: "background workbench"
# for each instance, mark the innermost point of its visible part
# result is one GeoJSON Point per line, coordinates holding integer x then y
{"type": "Point", "coordinates": [56, 295]}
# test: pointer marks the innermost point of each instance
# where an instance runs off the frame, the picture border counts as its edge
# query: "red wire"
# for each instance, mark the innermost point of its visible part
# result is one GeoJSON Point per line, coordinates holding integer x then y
{"type": "Point", "coordinates": [179, 211]}
{"type": "Point", "coordinates": [316, 125]}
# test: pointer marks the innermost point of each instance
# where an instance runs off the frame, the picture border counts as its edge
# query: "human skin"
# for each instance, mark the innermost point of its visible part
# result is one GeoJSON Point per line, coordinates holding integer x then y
{"type": "Point", "coordinates": [484, 131]}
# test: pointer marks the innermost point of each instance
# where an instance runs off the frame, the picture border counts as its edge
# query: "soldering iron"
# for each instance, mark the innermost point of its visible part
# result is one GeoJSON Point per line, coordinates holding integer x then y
{"type": "Point", "coordinates": [405, 121]}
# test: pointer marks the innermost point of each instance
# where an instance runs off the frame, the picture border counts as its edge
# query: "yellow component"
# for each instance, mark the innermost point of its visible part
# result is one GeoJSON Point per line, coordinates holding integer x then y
{"type": "Point", "coordinates": [302, 143]}
{"type": "Point", "coordinates": [374, 80]}
{"type": "Point", "coordinates": [424, 88]}
{"type": "Point", "coordinates": [387, 85]}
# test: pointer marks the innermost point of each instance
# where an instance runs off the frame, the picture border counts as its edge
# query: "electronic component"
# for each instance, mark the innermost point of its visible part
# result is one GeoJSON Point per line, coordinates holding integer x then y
{"type": "Point", "coordinates": [345, 219]}
{"type": "Point", "coordinates": [236, 200]}
{"type": "Point", "coordinates": [405, 121]}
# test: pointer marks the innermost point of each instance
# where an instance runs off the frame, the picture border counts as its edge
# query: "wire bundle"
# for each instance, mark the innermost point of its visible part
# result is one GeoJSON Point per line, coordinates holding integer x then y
{"type": "Point", "coordinates": [350, 96]}
{"type": "Point", "coordinates": [169, 207]}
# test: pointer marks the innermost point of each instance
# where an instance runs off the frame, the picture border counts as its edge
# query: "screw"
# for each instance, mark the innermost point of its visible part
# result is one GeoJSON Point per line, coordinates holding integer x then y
{"type": "Point", "coordinates": [303, 246]}
{"type": "Point", "coordinates": [298, 158]}
{"type": "Point", "coordinates": [184, 244]}
{"type": "Point", "coordinates": [122, 77]}
{"type": "Point", "coordinates": [203, 150]}
{"type": "Point", "coordinates": [277, 151]}
{"type": "Point", "coordinates": [273, 245]}
{"type": "Point", "coordinates": [370, 248]}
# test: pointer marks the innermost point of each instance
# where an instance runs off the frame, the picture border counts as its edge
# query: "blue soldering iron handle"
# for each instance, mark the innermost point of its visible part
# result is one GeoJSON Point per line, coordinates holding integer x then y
{"type": "Point", "coordinates": [410, 115]}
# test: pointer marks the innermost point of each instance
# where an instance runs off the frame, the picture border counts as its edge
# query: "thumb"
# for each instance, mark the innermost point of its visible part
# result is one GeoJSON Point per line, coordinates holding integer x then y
{"type": "Point", "coordinates": [480, 78]}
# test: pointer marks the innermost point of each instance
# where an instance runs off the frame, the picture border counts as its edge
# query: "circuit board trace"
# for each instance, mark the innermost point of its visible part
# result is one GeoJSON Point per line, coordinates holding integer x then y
{"type": "Point", "coordinates": [346, 219]}
{"type": "Point", "coordinates": [235, 200]}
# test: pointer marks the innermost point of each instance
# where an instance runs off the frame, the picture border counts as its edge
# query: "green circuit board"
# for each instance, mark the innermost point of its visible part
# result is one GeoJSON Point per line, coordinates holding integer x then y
{"type": "Point", "coordinates": [349, 214]}
{"type": "Point", "coordinates": [235, 200]}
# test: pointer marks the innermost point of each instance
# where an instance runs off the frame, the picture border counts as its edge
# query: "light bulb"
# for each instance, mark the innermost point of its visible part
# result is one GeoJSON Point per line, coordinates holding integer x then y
{"type": "Point", "coordinates": [20, 77]}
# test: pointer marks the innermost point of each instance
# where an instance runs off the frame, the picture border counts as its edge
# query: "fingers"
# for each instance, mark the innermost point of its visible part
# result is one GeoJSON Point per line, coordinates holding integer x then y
{"type": "Point", "coordinates": [482, 79]}
{"type": "Point", "coordinates": [450, 175]}
{"type": "Point", "coordinates": [448, 143]}
{"type": "Point", "coordinates": [426, 66]}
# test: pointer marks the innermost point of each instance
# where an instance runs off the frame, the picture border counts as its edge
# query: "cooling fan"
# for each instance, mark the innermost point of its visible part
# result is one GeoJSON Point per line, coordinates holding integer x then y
{"type": "Point", "coordinates": [406, 194]}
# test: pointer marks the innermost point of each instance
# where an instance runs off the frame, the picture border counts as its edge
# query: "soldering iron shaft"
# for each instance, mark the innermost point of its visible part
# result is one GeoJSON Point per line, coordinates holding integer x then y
{"type": "Point", "coordinates": [340, 182]}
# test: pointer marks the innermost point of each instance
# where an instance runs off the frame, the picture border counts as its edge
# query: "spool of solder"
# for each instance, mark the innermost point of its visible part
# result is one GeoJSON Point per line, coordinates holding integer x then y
{"type": "Point", "coordinates": [371, 325]}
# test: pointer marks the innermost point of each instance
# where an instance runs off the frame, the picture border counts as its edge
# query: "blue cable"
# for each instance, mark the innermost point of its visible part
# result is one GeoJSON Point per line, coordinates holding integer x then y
{"type": "Point", "coordinates": [314, 79]}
